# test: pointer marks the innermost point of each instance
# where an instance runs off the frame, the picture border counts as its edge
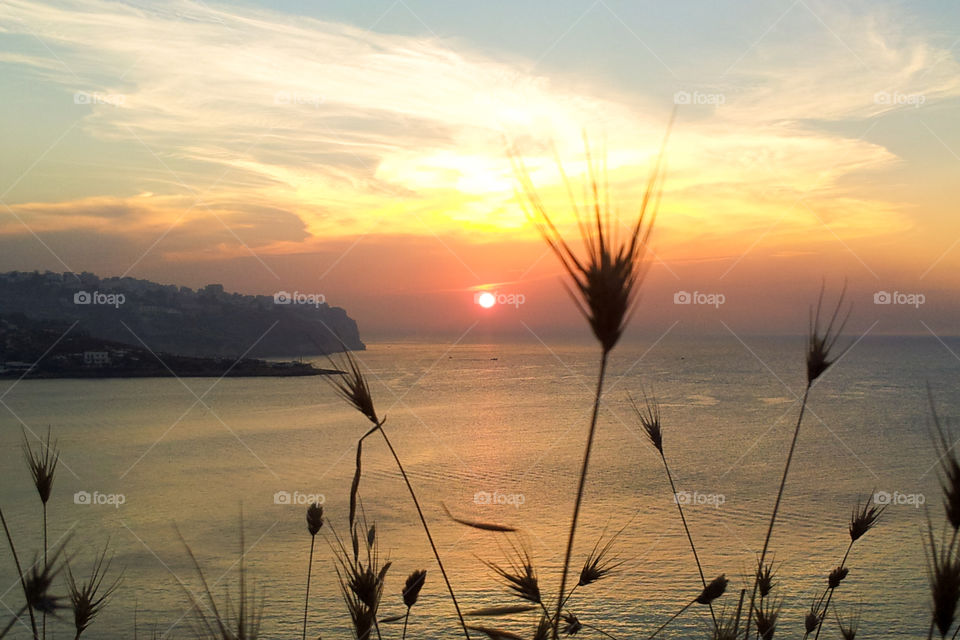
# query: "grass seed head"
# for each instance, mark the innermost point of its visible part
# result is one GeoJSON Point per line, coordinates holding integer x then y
{"type": "Point", "coordinates": [544, 630]}
{"type": "Point", "coordinates": [849, 624]}
{"type": "Point", "coordinates": [88, 598]}
{"type": "Point", "coordinates": [950, 487]}
{"type": "Point", "coordinates": [822, 340]}
{"type": "Point", "coordinates": [949, 465]}
{"type": "Point", "coordinates": [864, 518]}
{"type": "Point", "coordinates": [605, 282]}
{"type": "Point", "coordinates": [765, 578]}
{"type": "Point", "coordinates": [812, 620]}
{"type": "Point", "coordinates": [412, 587]}
{"type": "Point", "coordinates": [37, 583]}
{"type": "Point", "coordinates": [352, 386]}
{"type": "Point", "coordinates": [38, 580]}
{"type": "Point", "coordinates": [766, 616]}
{"type": "Point", "coordinates": [649, 417]}
{"type": "Point", "coordinates": [726, 628]}
{"type": "Point", "coordinates": [571, 624]}
{"type": "Point", "coordinates": [713, 590]}
{"type": "Point", "coordinates": [943, 569]}
{"type": "Point", "coordinates": [314, 518]}
{"type": "Point", "coordinates": [599, 564]}
{"type": "Point", "coordinates": [42, 463]}
{"type": "Point", "coordinates": [519, 575]}
{"type": "Point", "coordinates": [836, 576]}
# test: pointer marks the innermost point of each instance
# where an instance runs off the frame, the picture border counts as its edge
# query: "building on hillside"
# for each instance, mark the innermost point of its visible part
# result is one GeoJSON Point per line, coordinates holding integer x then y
{"type": "Point", "coordinates": [96, 358]}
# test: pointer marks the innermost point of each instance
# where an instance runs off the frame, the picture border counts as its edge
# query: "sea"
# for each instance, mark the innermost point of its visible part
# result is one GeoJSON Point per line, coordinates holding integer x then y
{"type": "Point", "coordinates": [492, 433]}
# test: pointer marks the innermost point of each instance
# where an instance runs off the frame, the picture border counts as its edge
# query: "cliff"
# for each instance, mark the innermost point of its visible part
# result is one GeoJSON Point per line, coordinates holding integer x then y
{"type": "Point", "coordinates": [207, 322]}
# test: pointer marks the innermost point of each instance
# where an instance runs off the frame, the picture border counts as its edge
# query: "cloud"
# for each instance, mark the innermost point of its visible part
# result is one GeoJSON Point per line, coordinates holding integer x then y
{"type": "Point", "coordinates": [184, 225]}
{"type": "Point", "coordinates": [830, 61]}
{"type": "Point", "coordinates": [324, 130]}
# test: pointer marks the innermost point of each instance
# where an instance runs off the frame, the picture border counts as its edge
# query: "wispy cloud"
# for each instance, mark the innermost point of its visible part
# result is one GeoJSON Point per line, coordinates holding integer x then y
{"type": "Point", "coordinates": [321, 129]}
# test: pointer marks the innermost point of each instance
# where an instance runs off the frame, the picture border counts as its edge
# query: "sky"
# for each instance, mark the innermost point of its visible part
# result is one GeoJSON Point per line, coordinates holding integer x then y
{"type": "Point", "coordinates": [362, 150]}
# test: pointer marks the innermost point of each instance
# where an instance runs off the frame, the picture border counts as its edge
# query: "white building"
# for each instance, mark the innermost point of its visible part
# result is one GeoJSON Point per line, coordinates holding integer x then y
{"type": "Point", "coordinates": [96, 358]}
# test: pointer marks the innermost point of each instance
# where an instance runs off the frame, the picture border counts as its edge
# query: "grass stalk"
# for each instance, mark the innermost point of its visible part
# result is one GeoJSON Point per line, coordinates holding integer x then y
{"type": "Point", "coordinates": [776, 506]}
{"type": "Point", "coordinates": [43, 618]}
{"type": "Point", "coordinates": [736, 620]}
{"type": "Point", "coordinates": [580, 487]}
{"type": "Point", "coordinates": [13, 620]}
{"type": "Point", "coordinates": [686, 530]}
{"type": "Point", "coordinates": [671, 619]}
{"type": "Point", "coordinates": [23, 583]}
{"type": "Point", "coordinates": [830, 592]}
{"type": "Point", "coordinates": [306, 599]}
{"type": "Point", "coordinates": [599, 630]}
{"type": "Point", "coordinates": [426, 528]}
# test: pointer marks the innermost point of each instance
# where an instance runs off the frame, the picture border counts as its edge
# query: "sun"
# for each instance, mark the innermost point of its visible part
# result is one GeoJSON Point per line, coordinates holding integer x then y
{"type": "Point", "coordinates": [486, 300]}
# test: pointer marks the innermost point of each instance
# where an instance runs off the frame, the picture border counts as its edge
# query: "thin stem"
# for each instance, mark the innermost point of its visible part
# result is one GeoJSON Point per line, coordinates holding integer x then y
{"type": "Point", "coordinates": [736, 621]}
{"type": "Point", "coordinates": [830, 593]}
{"type": "Point", "coordinates": [823, 615]}
{"type": "Point", "coordinates": [672, 618]}
{"type": "Point", "coordinates": [23, 583]}
{"type": "Point", "coordinates": [45, 565]}
{"type": "Point", "coordinates": [423, 521]}
{"type": "Point", "coordinates": [546, 614]}
{"type": "Point", "coordinates": [952, 542]}
{"type": "Point", "coordinates": [241, 608]}
{"type": "Point", "coordinates": [569, 595]}
{"type": "Point", "coordinates": [13, 620]}
{"type": "Point", "coordinates": [776, 506]}
{"type": "Point", "coordinates": [580, 487]}
{"type": "Point", "coordinates": [598, 630]}
{"type": "Point", "coordinates": [406, 618]}
{"type": "Point", "coordinates": [306, 600]}
{"type": "Point", "coordinates": [686, 529]}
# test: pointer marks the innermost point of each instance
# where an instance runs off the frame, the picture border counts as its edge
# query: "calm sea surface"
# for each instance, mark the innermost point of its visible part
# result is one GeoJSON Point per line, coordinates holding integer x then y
{"type": "Point", "coordinates": [495, 432]}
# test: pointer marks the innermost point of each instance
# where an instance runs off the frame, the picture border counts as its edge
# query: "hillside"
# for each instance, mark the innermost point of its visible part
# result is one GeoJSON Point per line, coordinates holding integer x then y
{"type": "Point", "coordinates": [208, 322]}
{"type": "Point", "coordinates": [46, 349]}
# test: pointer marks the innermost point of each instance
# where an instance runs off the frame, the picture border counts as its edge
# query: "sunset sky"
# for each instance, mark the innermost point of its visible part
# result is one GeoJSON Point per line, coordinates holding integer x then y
{"type": "Point", "coordinates": [360, 150]}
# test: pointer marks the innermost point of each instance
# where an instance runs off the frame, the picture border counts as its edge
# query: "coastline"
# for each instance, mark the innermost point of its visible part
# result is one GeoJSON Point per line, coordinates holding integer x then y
{"type": "Point", "coordinates": [242, 369]}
